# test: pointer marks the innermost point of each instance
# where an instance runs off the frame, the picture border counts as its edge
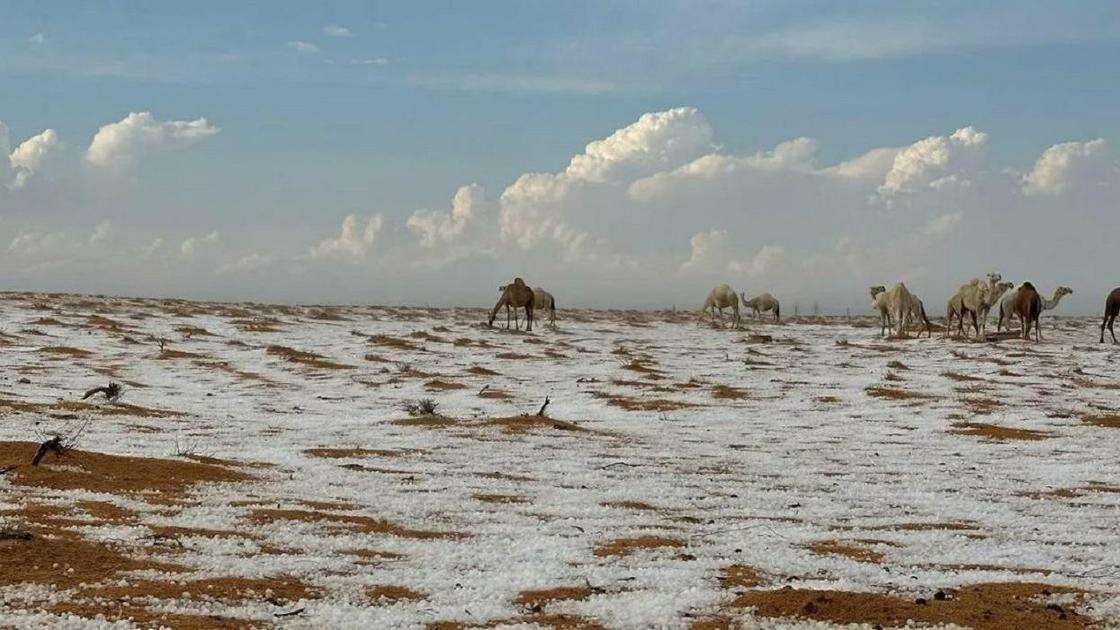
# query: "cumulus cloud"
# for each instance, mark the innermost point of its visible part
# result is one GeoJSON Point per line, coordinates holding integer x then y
{"type": "Point", "coordinates": [353, 243]}
{"type": "Point", "coordinates": [534, 208]}
{"type": "Point", "coordinates": [931, 159]}
{"type": "Point", "coordinates": [435, 228]}
{"type": "Point", "coordinates": [38, 38]}
{"type": "Point", "coordinates": [19, 165]}
{"type": "Point", "coordinates": [192, 244]}
{"type": "Point", "coordinates": [139, 134]}
{"type": "Point", "coordinates": [1064, 164]}
{"type": "Point", "coordinates": [712, 253]}
{"type": "Point", "coordinates": [29, 157]}
{"type": "Point", "coordinates": [769, 260]}
{"type": "Point", "coordinates": [798, 154]}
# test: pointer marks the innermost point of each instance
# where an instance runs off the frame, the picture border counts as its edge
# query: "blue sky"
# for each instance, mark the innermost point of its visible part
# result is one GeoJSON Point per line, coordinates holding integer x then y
{"type": "Point", "coordinates": [324, 110]}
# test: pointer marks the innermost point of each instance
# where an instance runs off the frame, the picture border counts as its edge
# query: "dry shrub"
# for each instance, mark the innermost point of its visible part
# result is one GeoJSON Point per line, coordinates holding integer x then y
{"type": "Point", "coordinates": [890, 393]}
{"type": "Point", "coordinates": [310, 359]}
{"type": "Point", "coordinates": [627, 546]}
{"type": "Point", "coordinates": [992, 606]}
{"type": "Point", "coordinates": [998, 433]}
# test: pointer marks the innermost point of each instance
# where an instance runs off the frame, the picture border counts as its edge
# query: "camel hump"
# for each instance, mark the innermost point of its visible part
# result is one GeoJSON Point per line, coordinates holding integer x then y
{"type": "Point", "coordinates": [519, 281]}
{"type": "Point", "coordinates": [1028, 286]}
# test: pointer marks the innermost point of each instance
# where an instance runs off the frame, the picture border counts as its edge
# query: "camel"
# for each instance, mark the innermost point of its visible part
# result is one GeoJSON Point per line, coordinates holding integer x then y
{"type": "Point", "coordinates": [900, 303]}
{"type": "Point", "coordinates": [762, 303]}
{"type": "Point", "coordinates": [879, 302]}
{"type": "Point", "coordinates": [994, 294]}
{"type": "Point", "coordinates": [918, 311]}
{"type": "Point", "coordinates": [1111, 310]}
{"type": "Point", "coordinates": [516, 295]}
{"type": "Point", "coordinates": [969, 298]}
{"type": "Point", "coordinates": [1006, 305]}
{"type": "Point", "coordinates": [1028, 306]}
{"type": "Point", "coordinates": [541, 300]}
{"type": "Point", "coordinates": [722, 297]}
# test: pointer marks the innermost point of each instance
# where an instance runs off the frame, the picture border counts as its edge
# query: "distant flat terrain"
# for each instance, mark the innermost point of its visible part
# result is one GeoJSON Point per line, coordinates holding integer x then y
{"type": "Point", "coordinates": [281, 465]}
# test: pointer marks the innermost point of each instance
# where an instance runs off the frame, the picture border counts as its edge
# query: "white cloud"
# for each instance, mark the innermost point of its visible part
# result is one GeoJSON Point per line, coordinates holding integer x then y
{"type": "Point", "coordinates": [533, 208]}
{"type": "Point", "coordinates": [372, 61]}
{"type": "Point", "coordinates": [769, 260]}
{"type": "Point", "coordinates": [930, 159]}
{"type": "Point", "coordinates": [19, 165]}
{"type": "Point", "coordinates": [37, 38]}
{"type": "Point", "coordinates": [709, 252]}
{"type": "Point", "coordinates": [1064, 164]}
{"type": "Point", "coordinates": [190, 245]}
{"type": "Point", "coordinates": [353, 243]}
{"type": "Point", "coordinates": [334, 30]}
{"type": "Point", "coordinates": [435, 228]}
{"type": "Point", "coordinates": [29, 157]}
{"type": "Point", "coordinates": [798, 154]}
{"type": "Point", "coordinates": [303, 48]}
{"type": "Point", "coordinates": [121, 144]}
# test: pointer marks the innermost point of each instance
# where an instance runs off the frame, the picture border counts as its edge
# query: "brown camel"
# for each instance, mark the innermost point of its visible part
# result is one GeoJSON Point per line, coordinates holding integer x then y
{"type": "Point", "coordinates": [516, 295]}
{"type": "Point", "coordinates": [1028, 306]}
{"type": "Point", "coordinates": [1111, 310]}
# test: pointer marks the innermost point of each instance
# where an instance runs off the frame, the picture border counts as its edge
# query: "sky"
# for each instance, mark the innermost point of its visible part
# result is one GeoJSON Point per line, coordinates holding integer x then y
{"type": "Point", "coordinates": [618, 154]}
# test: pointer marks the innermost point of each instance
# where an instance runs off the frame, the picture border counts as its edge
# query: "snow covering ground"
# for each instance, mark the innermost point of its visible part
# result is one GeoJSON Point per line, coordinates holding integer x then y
{"type": "Point", "coordinates": [728, 447]}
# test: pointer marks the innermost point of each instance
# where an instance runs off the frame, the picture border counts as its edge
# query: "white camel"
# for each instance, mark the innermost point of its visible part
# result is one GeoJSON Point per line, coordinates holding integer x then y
{"type": "Point", "coordinates": [720, 298]}
{"type": "Point", "coordinates": [1007, 305]}
{"type": "Point", "coordinates": [543, 299]}
{"type": "Point", "coordinates": [900, 303]}
{"type": "Point", "coordinates": [990, 300]}
{"type": "Point", "coordinates": [970, 298]}
{"type": "Point", "coordinates": [762, 303]}
{"type": "Point", "coordinates": [879, 303]}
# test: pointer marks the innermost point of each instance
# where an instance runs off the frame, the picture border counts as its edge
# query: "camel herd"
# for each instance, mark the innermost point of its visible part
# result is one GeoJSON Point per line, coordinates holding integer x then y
{"type": "Point", "coordinates": [898, 307]}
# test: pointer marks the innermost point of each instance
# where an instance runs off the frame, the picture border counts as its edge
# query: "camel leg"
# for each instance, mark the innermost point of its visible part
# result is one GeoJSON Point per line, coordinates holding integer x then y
{"type": "Point", "coordinates": [529, 316]}
{"type": "Point", "coordinates": [1103, 323]}
{"type": "Point", "coordinates": [1111, 320]}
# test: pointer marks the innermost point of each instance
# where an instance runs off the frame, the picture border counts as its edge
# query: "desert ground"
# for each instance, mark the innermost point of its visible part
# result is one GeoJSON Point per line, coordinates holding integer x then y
{"type": "Point", "coordinates": [393, 467]}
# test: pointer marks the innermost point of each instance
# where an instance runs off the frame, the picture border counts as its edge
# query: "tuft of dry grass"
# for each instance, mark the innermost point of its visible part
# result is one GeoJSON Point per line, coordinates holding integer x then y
{"type": "Point", "coordinates": [310, 359]}
{"type": "Point", "coordinates": [1107, 421]}
{"type": "Point", "coordinates": [891, 393]}
{"type": "Point", "coordinates": [998, 433]}
{"type": "Point", "coordinates": [627, 546]}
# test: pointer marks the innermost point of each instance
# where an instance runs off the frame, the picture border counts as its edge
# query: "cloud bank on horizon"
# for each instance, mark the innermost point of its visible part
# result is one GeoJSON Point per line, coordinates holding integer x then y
{"type": "Point", "coordinates": [649, 215]}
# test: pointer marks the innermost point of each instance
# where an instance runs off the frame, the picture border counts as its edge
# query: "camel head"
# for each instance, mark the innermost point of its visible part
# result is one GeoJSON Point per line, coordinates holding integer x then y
{"type": "Point", "coordinates": [1063, 291]}
{"type": "Point", "coordinates": [1004, 287]}
{"type": "Point", "coordinates": [876, 290]}
{"type": "Point", "coordinates": [994, 278]}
